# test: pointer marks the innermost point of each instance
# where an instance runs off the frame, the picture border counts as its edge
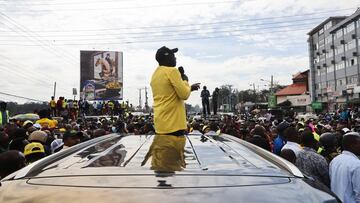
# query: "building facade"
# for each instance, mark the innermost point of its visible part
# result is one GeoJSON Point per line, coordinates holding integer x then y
{"type": "Point", "coordinates": [297, 93]}
{"type": "Point", "coordinates": [334, 61]}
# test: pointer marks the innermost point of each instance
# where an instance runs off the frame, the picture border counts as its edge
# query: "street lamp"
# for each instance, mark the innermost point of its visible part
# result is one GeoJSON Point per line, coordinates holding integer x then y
{"type": "Point", "coordinates": [271, 83]}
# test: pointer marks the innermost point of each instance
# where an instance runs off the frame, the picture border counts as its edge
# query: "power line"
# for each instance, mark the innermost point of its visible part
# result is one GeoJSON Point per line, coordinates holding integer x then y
{"type": "Point", "coordinates": [21, 97]}
{"type": "Point", "coordinates": [161, 40]}
{"type": "Point", "coordinates": [201, 24]}
{"type": "Point", "coordinates": [31, 37]}
{"type": "Point", "coordinates": [30, 74]}
{"type": "Point", "coordinates": [130, 7]}
{"type": "Point", "coordinates": [36, 3]}
{"type": "Point", "coordinates": [181, 34]}
{"type": "Point", "coordinates": [170, 31]}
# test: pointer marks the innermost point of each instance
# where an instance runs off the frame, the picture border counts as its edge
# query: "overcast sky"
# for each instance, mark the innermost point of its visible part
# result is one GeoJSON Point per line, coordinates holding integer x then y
{"type": "Point", "coordinates": [220, 41]}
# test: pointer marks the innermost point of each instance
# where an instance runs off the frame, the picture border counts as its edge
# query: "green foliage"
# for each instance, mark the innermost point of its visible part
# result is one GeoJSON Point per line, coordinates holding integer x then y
{"type": "Point", "coordinates": [15, 108]}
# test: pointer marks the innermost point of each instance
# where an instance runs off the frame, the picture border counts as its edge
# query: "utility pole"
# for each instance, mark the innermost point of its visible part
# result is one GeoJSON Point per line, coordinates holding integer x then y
{"type": "Point", "coordinates": [140, 98]}
{"type": "Point", "coordinates": [54, 89]}
{"type": "Point", "coordinates": [146, 100]}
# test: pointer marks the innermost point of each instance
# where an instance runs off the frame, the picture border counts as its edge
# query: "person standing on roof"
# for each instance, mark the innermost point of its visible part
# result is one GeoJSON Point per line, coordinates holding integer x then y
{"type": "Point", "coordinates": [169, 93]}
{"type": "Point", "coordinates": [215, 96]}
{"type": "Point", "coordinates": [52, 104]}
{"type": "Point", "coordinates": [205, 94]}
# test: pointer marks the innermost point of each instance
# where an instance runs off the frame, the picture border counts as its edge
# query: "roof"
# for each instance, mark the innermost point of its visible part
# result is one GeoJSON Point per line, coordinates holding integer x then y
{"type": "Point", "coordinates": [119, 154]}
{"type": "Point", "coordinates": [345, 21]}
{"type": "Point", "coordinates": [318, 27]}
{"type": "Point", "coordinates": [293, 89]}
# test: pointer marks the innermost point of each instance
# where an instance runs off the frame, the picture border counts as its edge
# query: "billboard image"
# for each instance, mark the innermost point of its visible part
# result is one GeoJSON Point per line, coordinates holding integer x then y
{"type": "Point", "coordinates": [101, 75]}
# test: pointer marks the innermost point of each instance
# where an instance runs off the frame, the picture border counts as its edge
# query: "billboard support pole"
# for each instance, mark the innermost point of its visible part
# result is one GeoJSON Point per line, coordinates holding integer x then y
{"type": "Point", "coordinates": [54, 89]}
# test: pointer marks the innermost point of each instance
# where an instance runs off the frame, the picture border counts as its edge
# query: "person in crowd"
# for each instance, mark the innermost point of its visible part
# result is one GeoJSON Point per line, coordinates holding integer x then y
{"type": "Point", "coordinates": [70, 139]}
{"type": "Point", "coordinates": [328, 146]}
{"type": "Point", "coordinates": [34, 151]}
{"type": "Point", "coordinates": [44, 120]}
{"type": "Point", "coordinates": [280, 141]}
{"type": "Point", "coordinates": [18, 139]}
{"type": "Point", "coordinates": [205, 95]}
{"type": "Point", "coordinates": [4, 141]}
{"type": "Point", "coordinates": [57, 145]}
{"type": "Point", "coordinates": [345, 170]}
{"type": "Point", "coordinates": [259, 138]}
{"type": "Point", "coordinates": [40, 137]}
{"type": "Point", "coordinates": [213, 128]}
{"type": "Point", "coordinates": [289, 155]}
{"type": "Point", "coordinates": [11, 161]}
{"type": "Point", "coordinates": [4, 114]}
{"type": "Point", "coordinates": [196, 128]}
{"type": "Point", "coordinates": [292, 143]}
{"type": "Point", "coordinates": [310, 162]}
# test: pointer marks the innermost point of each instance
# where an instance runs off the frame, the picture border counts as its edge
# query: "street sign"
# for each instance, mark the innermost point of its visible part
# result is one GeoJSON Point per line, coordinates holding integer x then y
{"type": "Point", "coordinates": [272, 101]}
{"type": "Point", "coordinates": [316, 105]}
{"type": "Point", "coordinates": [74, 91]}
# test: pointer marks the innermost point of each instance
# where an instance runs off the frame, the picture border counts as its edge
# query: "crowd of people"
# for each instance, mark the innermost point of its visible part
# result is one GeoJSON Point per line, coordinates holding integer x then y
{"type": "Point", "coordinates": [325, 149]}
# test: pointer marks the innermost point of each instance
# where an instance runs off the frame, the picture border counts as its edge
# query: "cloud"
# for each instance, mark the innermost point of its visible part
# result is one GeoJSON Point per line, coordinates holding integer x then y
{"type": "Point", "coordinates": [235, 55]}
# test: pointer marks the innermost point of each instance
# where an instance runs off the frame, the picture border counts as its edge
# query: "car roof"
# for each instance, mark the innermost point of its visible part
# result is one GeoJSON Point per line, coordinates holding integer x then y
{"type": "Point", "coordinates": [123, 154]}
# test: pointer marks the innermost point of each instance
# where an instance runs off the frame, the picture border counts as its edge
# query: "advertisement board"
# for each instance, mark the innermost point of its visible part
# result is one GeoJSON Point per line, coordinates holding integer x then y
{"type": "Point", "coordinates": [101, 75]}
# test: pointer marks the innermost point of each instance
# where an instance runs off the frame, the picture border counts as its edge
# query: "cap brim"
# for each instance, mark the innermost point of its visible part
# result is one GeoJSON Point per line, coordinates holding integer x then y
{"type": "Point", "coordinates": [174, 50]}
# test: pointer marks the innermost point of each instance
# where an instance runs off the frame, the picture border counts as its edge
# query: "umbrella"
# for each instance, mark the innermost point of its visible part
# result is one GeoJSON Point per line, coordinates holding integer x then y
{"type": "Point", "coordinates": [27, 116]}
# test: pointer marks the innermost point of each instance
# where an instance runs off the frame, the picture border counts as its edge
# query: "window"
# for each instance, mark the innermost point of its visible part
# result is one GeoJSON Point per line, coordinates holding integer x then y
{"type": "Point", "coordinates": [352, 79]}
{"type": "Point", "coordinates": [351, 62]}
{"type": "Point", "coordinates": [350, 45]}
{"type": "Point", "coordinates": [339, 49]}
{"type": "Point", "coordinates": [317, 86]}
{"type": "Point", "coordinates": [321, 31]}
{"type": "Point", "coordinates": [330, 69]}
{"type": "Point", "coordinates": [339, 34]}
{"type": "Point", "coordinates": [328, 39]}
{"type": "Point", "coordinates": [350, 27]}
{"type": "Point", "coordinates": [328, 25]}
{"type": "Point", "coordinates": [340, 82]}
{"type": "Point", "coordinates": [340, 65]}
{"type": "Point", "coordinates": [318, 72]}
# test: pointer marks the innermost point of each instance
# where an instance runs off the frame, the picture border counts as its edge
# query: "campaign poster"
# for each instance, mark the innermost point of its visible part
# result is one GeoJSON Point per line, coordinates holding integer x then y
{"type": "Point", "coordinates": [101, 75]}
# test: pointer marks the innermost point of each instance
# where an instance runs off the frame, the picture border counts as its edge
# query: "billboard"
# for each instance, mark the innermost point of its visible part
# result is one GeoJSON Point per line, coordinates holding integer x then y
{"type": "Point", "coordinates": [101, 75]}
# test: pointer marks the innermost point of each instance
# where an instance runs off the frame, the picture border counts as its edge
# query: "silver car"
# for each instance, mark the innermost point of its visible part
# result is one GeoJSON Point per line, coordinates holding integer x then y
{"type": "Point", "coordinates": [113, 168]}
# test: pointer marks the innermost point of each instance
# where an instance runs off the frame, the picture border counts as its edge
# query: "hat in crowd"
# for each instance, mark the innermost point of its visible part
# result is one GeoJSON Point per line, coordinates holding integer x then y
{"type": "Point", "coordinates": [205, 127]}
{"type": "Point", "coordinates": [56, 144]}
{"type": "Point", "coordinates": [345, 130]}
{"type": "Point", "coordinates": [71, 134]}
{"type": "Point", "coordinates": [282, 126]}
{"type": "Point", "coordinates": [38, 126]}
{"type": "Point", "coordinates": [38, 136]}
{"type": "Point", "coordinates": [33, 148]}
{"type": "Point", "coordinates": [164, 52]}
{"type": "Point", "coordinates": [27, 122]}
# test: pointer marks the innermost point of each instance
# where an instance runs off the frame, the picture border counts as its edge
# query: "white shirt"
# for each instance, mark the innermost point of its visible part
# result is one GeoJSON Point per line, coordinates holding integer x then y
{"type": "Point", "coordinates": [295, 147]}
{"type": "Point", "coordinates": [345, 177]}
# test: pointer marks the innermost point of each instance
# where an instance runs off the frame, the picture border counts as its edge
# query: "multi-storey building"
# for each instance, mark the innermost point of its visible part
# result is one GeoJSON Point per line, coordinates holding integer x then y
{"type": "Point", "coordinates": [334, 54]}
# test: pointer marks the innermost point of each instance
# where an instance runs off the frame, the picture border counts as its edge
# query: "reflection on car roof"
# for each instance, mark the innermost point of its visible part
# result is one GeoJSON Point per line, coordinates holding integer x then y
{"type": "Point", "coordinates": [221, 155]}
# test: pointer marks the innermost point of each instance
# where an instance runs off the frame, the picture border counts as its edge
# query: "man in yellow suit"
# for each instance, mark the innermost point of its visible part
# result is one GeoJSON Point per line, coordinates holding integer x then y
{"type": "Point", "coordinates": [169, 93]}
